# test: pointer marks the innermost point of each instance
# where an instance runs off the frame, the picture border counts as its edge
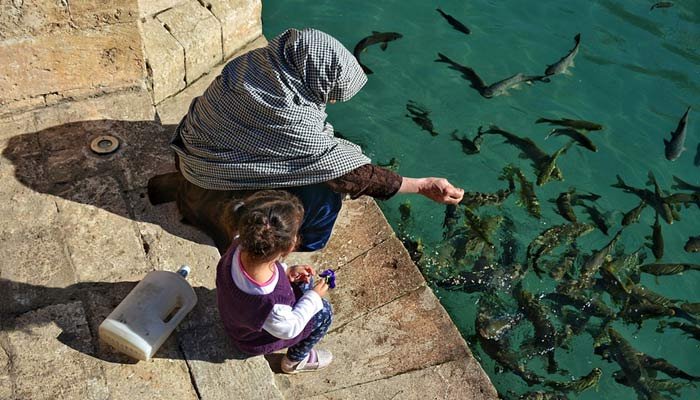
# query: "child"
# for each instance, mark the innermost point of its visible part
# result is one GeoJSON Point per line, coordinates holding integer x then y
{"type": "Point", "coordinates": [260, 299]}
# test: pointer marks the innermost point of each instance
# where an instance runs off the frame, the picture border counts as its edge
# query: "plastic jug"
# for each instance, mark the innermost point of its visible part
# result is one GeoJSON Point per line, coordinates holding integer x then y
{"type": "Point", "coordinates": [149, 314]}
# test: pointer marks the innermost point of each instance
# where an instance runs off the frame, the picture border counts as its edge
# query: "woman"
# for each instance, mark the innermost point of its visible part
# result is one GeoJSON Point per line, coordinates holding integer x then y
{"type": "Point", "coordinates": [261, 125]}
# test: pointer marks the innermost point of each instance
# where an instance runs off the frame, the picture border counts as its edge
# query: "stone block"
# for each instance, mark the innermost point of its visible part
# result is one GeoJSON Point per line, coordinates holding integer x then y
{"type": "Point", "coordinates": [411, 333]}
{"type": "Point", "coordinates": [152, 7]}
{"type": "Point", "coordinates": [16, 124]}
{"type": "Point", "coordinates": [165, 60]}
{"type": "Point", "coordinates": [33, 18]}
{"type": "Point", "coordinates": [221, 371]}
{"type": "Point", "coordinates": [360, 227]}
{"type": "Point", "coordinates": [129, 105]}
{"type": "Point", "coordinates": [172, 110]}
{"type": "Point", "coordinates": [109, 57]}
{"type": "Point", "coordinates": [240, 20]}
{"type": "Point", "coordinates": [145, 153]}
{"type": "Point", "coordinates": [6, 386]}
{"type": "Point", "coordinates": [51, 355]}
{"type": "Point", "coordinates": [87, 14]}
{"type": "Point", "coordinates": [373, 279]}
{"type": "Point", "coordinates": [199, 33]}
{"type": "Point", "coordinates": [170, 243]}
{"type": "Point", "coordinates": [454, 380]}
{"type": "Point", "coordinates": [165, 376]}
{"type": "Point", "coordinates": [103, 242]}
{"type": "Point", "coordinates": [32, 260]}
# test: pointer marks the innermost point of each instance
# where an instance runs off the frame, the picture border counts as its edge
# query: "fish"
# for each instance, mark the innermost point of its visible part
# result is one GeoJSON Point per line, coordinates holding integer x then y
{"type": "Point", "coordinates": [454, 22]}
{"type": "Point", "coordinates": [660, 364]}
{"type": "Point", "coordinates": [501, 87]}
{"type": "Point", "coordinates": [552, 238]}
{"type": "Point", "coordinates": [415, 248]}
{"type": "Point", "coordinates": [468, 73]}
{"type": "Point", "coordinates": [632, 216]}
{"type": "Point", "coordinates": [665, 385]}
{"type": "Point", "coordinates": [597, 217]}
{"type": "Point", "coordinates": [562, 66]}
{"type": "Point", "coordinates": [657, 240]}
{"type": "Point", "coordinates": [652, 198]}
{"type": "Point", "coordinates": [690, 329]}
{"type": "Point", "coordinates": [683, 185]}
{"type": "Point", "coordinates": [577, 197]}
{"type": "Point", "coordinates": [668, 269]}
{"type": "Point", "coordinates": [500, 352]}
{"type": "Point", "coordinates": [482, 228]}
{"type": "Point", "coordinates": [469, 146]}
{"type": "Point", "coordinates": [564, 265]}
{"type": "Point", "coordinates": [674, 147]}
{"type": "Point", "coordinates": [546, 172]}
{"type": "Point", "coordinates": [580, 139]}
{"type": "Point", "coordinates": [593, 263]}
{"type": "Point", "coordinates": [638, 312]}
{"type": "Point", "coordinates": [579, 385]}
{"type": "Point", "coordinates": [383, 38]}
{"type": "Point", "coordinates": [626, 356]}
{"type": "Point", "coordinates": [420, 116]}
{"type": "Point", "coordinates": [528, 149]}
{"type": "Point", "coordinates": [474, 200]}
{"type": "Point", "coordinates": [572, 123]}
{"type": "Point", "coordinates": [692, 245]}
{"type": "Point", "coordinates": [696, 161]}
{"type": "Point", "coordinates": [450, 221]}
{"type": "Point", "coordinates": [564, 207]}
{"type": "Point", "coordinates": [666, 210]}
{"type": "Point", "coordinates": [661, 4]}
{"type": "Point", "coordinates": [495, 328]}
{"type": "Point", "coordinates": [588, 305]}
{"type": "Point", "coordinates": [528, 198]}
{"type": "Point", "coordinates": [405, 211]}
{"type": "Point", "coordinates": [392, 164]}
{"type": "Point", "coordinates": [539, 395]}
{"type": "Point", "coordinates": [691, 308]}
{"type": "Point", "coordinates": [538, 315]}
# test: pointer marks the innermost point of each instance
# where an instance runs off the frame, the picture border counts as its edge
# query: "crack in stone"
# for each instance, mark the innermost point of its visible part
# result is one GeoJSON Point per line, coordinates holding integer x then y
{"type": "Point", "coordinates": [221, 27]}
{"type": "Point", "coordinates": [193, 380]}
{"type": "Point", "coordinates": [184, 53]}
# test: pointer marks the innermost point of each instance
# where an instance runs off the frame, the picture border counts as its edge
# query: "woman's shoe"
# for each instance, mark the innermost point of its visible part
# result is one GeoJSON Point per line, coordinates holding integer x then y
{"type": "Point", "coordinates": [317, 359]}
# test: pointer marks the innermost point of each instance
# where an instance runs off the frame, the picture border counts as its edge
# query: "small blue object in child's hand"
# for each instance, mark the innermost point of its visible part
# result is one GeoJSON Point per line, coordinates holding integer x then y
{"type": "Point", "coordinates": [329, 276]}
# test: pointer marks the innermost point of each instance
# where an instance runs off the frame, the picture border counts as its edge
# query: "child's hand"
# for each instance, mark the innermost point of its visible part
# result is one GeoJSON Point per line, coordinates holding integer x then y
{"type": "Point", "coordinates": [321, 287]}
{"type": "Point", "coordinates": [300, 273]}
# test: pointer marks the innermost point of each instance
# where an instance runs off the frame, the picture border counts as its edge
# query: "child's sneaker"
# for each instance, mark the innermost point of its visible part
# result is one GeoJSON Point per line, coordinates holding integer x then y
{"type": "Point", "coordinates": [316, 359]}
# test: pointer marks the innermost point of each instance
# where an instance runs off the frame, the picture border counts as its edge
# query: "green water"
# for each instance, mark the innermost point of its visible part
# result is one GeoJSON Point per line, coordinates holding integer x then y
{"type": "Point", "coordinates": [636, 73]}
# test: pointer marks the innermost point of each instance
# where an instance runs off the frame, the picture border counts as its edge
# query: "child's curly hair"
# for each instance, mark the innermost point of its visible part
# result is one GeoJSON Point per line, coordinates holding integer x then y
{"type": "Point", "coordinates": [268, 223]}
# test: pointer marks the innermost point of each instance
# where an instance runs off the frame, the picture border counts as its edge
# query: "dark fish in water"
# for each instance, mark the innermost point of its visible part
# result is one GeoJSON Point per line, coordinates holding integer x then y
{"type": "Point", "coordinates": [683, 185]}
{"type": "Point", "coordinates": [577, 197]}
{"type": "Point", "coordinates": [638, 312]}
{"type": "Point", "coordinates": [674, 147]}
{"type": "Point", "coordinates": [593, 263]}
{"type": "Point", "coordinates": [659, 364]}
{"type": "Point", "coordinates": [376, 37]}
{"type": "Point", "coordinates": [597, 217]}
{"type": "Point", "coordinates": [661, 4]}
{"type": "Point", "coordinates": [666, 210]}
{"type": "Point", "coordinates": [692, 245]}
{"type": "Point", "coordinates": [632, 216]}
{"type": "Point", "coordinates": [650, 197]}
{"type": "Point", "coordinates": [691, 308]}
{"type": "Point", "coordinates": [561, 66]}
{"type": "Point", "coordinates": [579, 385]}
{"type": "Point", "coordinates": [546, 172]}
{"type": "Point", "coordinates": [626, 356]}
{"type": "Point", "coordinates": [539, 395]}
{"type": "Point", "coordinates": [474, 200]}
{"type": "Point", "coordinates": [588, 305]}
{"type": "Point", "coordinates": [668, 269]}
{"type": "Point", "coordinates": [564, 207]}
{"type": "Point", "coordinates": [482, 228]}
{"type": "Point", "coordinates": [645, 295]}
{"type": "Point", "coordinates": [657, 240]}
{"type": "Point", "coordinates": [495, 328]}
{"type": "Point", "coordinates": [528, 149]}
{"type": "Point", "coordinates": [552, 238]}
{"type": "Point", "coordinates": [414, 248]}
{"type": "Point", "coordinates": [690, 329]}
{"type": "Point", "coordinates": [455, 24]}
{"type": "Point", "coordinates": [580, 138]}
{"type": "Point", "coordinates": [469, 146]}
{"type": "Point", "coordinates": [405, 211]}
{"type": "Point", "coordinates": [450, 222]}
{"type": "Point", "coordinates": [500, 352]}
{"type": "Point", "coordinates": [528, 198]}
{"type": "Point", "coordinates": [665, 385]}
{"type": "Point", "coordinates": [564, 265]}
{"type": "Point", "coordinates": [572, 123]}
{"type": "Point", "coordinates": [537, 314]}
{"type": "Point", "coordinates": [696, 162]}
{"type": "Point", "coordinates": [420, 116]}
{"type": "Point", "coordinates": [502, 86]}
{"type": "Point", "coordinates": [467, 73]}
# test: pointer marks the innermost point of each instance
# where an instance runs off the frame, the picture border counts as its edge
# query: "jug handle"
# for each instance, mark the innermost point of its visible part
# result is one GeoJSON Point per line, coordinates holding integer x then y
{"type": "Point", "coordinates": [172, 323]}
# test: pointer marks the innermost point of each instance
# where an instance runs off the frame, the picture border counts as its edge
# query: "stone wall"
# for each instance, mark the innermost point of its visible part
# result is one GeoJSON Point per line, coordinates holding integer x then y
{"type": "Point", "coordinates": [54, 52]}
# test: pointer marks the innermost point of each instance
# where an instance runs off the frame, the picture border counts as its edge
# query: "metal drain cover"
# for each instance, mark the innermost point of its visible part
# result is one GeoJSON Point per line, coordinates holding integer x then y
{"type": "Point", "coordinates": [104, 144]}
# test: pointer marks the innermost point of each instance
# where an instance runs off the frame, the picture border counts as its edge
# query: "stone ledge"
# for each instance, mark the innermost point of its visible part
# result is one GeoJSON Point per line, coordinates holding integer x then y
{"type": "Point", "coordinates": [165, 59]}
{"type": "Point", "coordinates": [240, 22]}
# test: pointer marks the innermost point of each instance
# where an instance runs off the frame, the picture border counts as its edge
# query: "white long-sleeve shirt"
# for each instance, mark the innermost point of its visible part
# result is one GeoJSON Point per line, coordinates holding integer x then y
{"type": "Point", "coordinates": [283, 322]}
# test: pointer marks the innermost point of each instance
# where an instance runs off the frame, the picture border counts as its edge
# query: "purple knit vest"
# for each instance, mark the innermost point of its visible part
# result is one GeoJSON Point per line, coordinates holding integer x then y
{"type": "Point", "coordinates": [244, 314]}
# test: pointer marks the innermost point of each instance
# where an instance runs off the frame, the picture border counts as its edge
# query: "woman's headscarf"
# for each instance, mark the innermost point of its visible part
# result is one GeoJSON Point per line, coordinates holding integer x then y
{"type": "Point", "coordinates": [261, 123]}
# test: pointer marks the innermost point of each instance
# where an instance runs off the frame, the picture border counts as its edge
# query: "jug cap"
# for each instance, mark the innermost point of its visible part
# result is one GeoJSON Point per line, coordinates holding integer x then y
{"type": "Point", "coordinates": [184, 271]}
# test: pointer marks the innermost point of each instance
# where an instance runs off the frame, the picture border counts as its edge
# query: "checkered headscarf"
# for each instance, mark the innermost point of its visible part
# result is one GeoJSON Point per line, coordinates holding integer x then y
{"type": "Point", "coordinates": [261, 123]}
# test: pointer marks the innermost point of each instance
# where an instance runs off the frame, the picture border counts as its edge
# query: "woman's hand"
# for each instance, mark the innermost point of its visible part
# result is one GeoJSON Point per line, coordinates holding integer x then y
{"type": "Point", "coordinates": [300, 273]}
{"type": "Point", "coordinates": [436, 189]}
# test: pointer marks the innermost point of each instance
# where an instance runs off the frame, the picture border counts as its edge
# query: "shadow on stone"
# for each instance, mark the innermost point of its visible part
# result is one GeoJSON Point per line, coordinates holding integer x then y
{"type": "Point", "coordinates": [200, 336]}
{"type": "Point", "coordinates": [59, 161]}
